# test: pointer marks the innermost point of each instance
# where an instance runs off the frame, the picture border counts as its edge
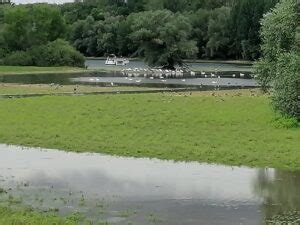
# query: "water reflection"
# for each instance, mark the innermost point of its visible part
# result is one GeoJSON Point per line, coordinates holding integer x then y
{"type": "Point", "coordinates": [209, 66]}
{"type": "Point", "coordinates": [280, 191]}
{"type": "Point", "coordinates": [177, 193]}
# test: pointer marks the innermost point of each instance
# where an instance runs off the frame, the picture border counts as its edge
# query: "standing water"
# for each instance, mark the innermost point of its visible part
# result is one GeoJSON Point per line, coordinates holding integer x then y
{"type": "Point", "coordinates": [146, 191]}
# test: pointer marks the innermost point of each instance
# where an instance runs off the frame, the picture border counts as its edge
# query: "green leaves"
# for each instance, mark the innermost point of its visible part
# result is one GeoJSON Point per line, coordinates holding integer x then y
{"type": "Point", "coordinates": [279, 66]}
{"type": "Point", "coordinates": [35, 25]}
{"type": "Point", "coordinates": [163, 37]}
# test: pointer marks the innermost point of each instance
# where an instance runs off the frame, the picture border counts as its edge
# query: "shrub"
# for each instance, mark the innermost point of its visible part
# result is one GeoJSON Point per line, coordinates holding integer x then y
{"type": "Point", "coordinates": [57, 53]}
{"type": "Point", "coordinates": [286, 97]}
{"type": "Point", "coordinates": [279, 66]}
{"type": "Point", "coordinates": [19, 58]}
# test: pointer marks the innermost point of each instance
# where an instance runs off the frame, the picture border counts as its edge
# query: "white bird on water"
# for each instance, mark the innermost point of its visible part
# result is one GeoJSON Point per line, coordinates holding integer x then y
{"type": "Point", "coordinates": [242, 75]}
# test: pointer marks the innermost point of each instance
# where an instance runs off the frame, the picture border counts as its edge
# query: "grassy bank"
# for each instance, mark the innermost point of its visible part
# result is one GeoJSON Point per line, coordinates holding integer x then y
{"type": "Point", "coordinates": [26, 217]}
{"type": "Point", "coordinates": [23, 89]}
{"type": "Point", "coordinates": [7, 70]}
{"type": "Point", "coordinates": [229, 128]}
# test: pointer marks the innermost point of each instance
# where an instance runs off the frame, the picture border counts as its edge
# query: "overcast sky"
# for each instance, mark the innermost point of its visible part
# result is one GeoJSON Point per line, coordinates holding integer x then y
{"type": "Point", "coordinates": [34, 1]}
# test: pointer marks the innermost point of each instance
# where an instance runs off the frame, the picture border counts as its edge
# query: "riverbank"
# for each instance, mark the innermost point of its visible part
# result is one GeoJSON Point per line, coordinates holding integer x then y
{"type": "Point", "coordinates": [14, 70]}
{"type": "Point", "coordinates": [227, 127]}
{"type": "Point", "coordinates": [236, 62]}
{"type": "Point", "coordinates": [208, 66]}
{"type": "Point", "coordinates": [31, 89]}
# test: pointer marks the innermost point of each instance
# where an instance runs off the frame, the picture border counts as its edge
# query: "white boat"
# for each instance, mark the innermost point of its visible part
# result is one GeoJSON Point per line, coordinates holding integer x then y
{"type": "Point", "coordinates": [113, 60]}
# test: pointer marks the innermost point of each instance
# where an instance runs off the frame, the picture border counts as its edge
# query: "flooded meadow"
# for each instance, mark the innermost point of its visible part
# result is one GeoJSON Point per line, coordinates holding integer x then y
{"type": "Point", "coordinates": [121, 190]}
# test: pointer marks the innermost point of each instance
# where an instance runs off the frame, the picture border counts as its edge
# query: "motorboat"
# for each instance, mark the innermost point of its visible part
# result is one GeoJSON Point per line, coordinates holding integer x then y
{"type": "Point", "coordinates": [113, 60]}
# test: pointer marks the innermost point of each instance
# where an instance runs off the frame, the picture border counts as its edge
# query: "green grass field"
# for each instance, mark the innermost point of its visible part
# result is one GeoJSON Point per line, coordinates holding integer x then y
{"type": "Point", "coordinates": [230, 128]}
{"type": "Point", "coordinates": [23, 89]}
{"type": "Point", "coordinates": [7, 70]}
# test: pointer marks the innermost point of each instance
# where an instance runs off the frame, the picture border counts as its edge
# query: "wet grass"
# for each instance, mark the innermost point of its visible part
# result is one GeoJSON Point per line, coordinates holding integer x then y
{"type": "Point", "coordinates": [23, 89]}
{"type": "Point", "coordinates": [229, 127]}
{"type": "Point", "coordinates": [6, 70]}
{"type": "Point", "coordinates": [24, 216]}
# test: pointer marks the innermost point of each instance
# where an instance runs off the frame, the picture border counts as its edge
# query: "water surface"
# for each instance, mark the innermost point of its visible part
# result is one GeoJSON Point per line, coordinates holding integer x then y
{"type": "Point", "coordinates": [207, 66]}
{"type": "Point", "coordinates": [146, 191]}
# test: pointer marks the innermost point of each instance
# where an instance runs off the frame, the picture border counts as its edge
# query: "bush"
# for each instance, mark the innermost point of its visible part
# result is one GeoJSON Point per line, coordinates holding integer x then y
{"type": "Point", "coordinates": [19, 58]}
{"type": "Point", "coordinates": [286, 97]}
{"type": "Point", "coordinates": [279, 66]}
{"type": "Point", "coordinates": [286, 122]}
{"type": "Point", "coordinates": [57, 53]}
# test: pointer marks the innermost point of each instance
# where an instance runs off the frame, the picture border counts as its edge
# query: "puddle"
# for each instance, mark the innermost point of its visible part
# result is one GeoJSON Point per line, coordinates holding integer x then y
{"type": "Point", "coordinates": [146, 191]}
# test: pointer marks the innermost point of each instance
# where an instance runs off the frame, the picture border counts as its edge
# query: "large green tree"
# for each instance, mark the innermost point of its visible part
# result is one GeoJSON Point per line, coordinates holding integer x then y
{"type": "Point", "coordinates": [245, 26]}
{"type": "Point", "coordinates": [218, 33]}
{"type": "Point", "coordinates": [163, 37]}
{"type": "Point", "coordinates": [35, 25]}
{"type": "Point", "coordinates": [279, 67]}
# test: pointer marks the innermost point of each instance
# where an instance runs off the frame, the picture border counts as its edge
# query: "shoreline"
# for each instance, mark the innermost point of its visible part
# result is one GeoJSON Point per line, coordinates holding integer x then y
{"type": "Point", "coordinates": [231, 61]}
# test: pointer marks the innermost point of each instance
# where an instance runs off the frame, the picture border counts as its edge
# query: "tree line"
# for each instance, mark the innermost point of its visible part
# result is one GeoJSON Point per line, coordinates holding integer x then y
{"type": "Point", "coordinates": [227, 29]}
{"type": "Point", "coordinates": [161, 31]}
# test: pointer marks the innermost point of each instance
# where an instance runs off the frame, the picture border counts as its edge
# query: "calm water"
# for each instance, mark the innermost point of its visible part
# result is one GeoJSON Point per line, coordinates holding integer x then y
{"type": "Point", "coordinates": [96, 63]}
{"type": "Point", "coordinates": [225, 71]}
{"type": "Point", "coordinates": [145, 191]}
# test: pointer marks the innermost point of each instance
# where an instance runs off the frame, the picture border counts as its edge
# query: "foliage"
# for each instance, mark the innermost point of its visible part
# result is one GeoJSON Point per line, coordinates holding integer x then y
{"type": "Point", "coordinates": [28, 26]}
{"type": "Point", "coordinates": [287, 85]}
{"type": "Point", "coordinates": [213, 28]}
{"type": "Point", "coordinates": [245, 25]}
{"type": "Point", "coordinates": [19, 58]}
{"type": "Point", "coordinates": [163, 37]}
{"type": "Point", "coordinates": [218, 36]}
{"type": "Point", "coordinates": [279, 66]}
{"type": "Point", "coordinates": [27, 216]}
{"type": "Point", "coordinates": [166, 126]}
{"type": "Point", "coordinates": [57, 53]}
{"type": "Point", "coordinates": [100, 27]}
